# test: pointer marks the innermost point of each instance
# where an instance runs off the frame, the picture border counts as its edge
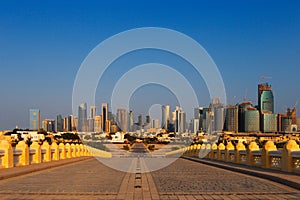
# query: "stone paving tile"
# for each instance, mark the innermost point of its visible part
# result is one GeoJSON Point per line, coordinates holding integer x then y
{"type": "Point", "coordinates": [202, 181]}
{"type": "Point", "coordinates": [87, 177]}
{"type": "Point", "coordinates": [184, 179]}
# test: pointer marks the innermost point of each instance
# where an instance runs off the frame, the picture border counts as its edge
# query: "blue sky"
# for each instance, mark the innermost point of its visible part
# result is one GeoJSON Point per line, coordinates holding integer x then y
{"type": "Point", "coordinates": [43, 43]}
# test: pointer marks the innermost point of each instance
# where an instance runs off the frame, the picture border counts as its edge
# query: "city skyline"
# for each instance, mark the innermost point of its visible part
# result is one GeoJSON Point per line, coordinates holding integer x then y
{"type": "Point", "coordinates": [217, 117]}
{"type": "Point", "coordinates": [43, 46]}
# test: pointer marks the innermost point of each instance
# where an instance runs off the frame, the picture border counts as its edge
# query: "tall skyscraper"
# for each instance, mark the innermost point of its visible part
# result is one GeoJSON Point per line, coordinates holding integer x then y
{"type": "Point", "coordinates": [165, 117]}
{"type": "Point", "coordinates": [71, 123]}
{"type": "Point", "coordinates": [97, 124]}
{"type": "Point", "coordinates": [48, 125]}
{"type": "Point", "coordinates": [155, 123]}
{"type": "Point", "coordinates": [93, 110]}
{"type": "Point", "coordinates": [219, 117]}
{"type": "Point", "coordinates": [34, 119]}
{"type": "Point", "coordinates": [147, 119]}
{"type": "Point", "coordinates": [265, 98]}
{"type": "Point", "coordinates": [140, 120]}
{"type": "Point", "coordinates": [82, 117]}
{"type": "Point", "coordinates": [122, 119]}
{"type": "Point", "coordinates": [199, 114]}
{"type": "Point", "coordinates": [130, 121]}
{"type": "Point", "coordinates": [251, 120]}
{"type": "Point", "coordinates": [59, 123]}
{"type": "Point", "coordinates": [104, 110]}
{"type": "Point", "coordinates": [176, 119]}
{"type": "Point", "coordinates": [231, 120]}
{"type": "Point", "coordinates": [266, 108]}
{"type": "Point", "coordinates": [90, 122]}
{"type": "Point", "coordinates": [243, 107]}
{"type": "Point", "coordinates": [182, 122]}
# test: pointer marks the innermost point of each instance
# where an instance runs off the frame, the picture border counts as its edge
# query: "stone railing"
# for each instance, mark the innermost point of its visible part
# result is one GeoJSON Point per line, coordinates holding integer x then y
{"type": "Point", "coordinates": [286, 159]}
{"type": "Point", "coordinates": [22, 155]}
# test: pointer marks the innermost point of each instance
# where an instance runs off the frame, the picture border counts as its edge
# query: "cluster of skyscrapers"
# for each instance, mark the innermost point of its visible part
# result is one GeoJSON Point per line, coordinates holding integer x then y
{"type": "Point", "coordinates": [245, 117]}
{"type": "Point", "coordinates": [242, 117]}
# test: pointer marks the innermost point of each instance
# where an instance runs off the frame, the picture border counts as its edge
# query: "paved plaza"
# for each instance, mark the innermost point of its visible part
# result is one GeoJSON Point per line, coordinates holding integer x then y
{"type": "Point", "coordinates": [184, 179]}
{"type": "Point", "coordinates": [88, 178]}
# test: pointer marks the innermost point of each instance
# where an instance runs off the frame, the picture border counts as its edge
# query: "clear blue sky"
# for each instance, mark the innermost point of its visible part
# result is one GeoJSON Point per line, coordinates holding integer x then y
{"type": "Point", "coordinates": [42, 44]}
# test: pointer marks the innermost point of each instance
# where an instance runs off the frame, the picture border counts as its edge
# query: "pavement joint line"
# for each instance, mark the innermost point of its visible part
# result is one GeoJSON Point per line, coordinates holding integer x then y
{"type": "Point", "coordinates": [7, 173]}
{"type": "Point", "coordinates": [252, 172]}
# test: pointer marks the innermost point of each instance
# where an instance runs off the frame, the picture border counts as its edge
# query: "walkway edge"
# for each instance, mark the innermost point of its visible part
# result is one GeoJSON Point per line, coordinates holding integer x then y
{"type": "Point", "coordinates": [24, 170]}
{"type": "Point", "coordinates": [242, 170]}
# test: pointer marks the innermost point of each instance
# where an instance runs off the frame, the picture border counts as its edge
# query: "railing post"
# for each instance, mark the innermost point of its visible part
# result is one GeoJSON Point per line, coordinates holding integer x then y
{"type": "Point", "coordinates": [54, 151]}
{"type": "Point", "coordinates": [239, 147]}
{"type": "Point", "coordinates": [207, 150]}
{"type": "Point", "coordinates": [77, 150]}
{"type": "Point", "coordinates": [229, 154]}
{"type": "Point", "coordinates": [213, 153]}
{"type": "Point", "coordinates": [250, 157]}
{"type": "Point", "coordinates": [287, 158]}
{"type": "Point", "coordinates": [68, 150]}
{"type": "Point", "coordinates": [62, 151]}
{"type": "Point", "coordinates": [24, 157]}
{"type": "Point", "coordinates": [7, 159]}
{"type": "Point", "coordinates": [46, 152]}
{"type": "Point", "coordinates": [36, 157]}
{"type": "Point", "coordinates": [221, 148]}
{"type": "Point", "coordinates": [81, 150]}
{"type": "Point", "coordinates": [73, 150]}
{"type": "Point", "coordinates": [266, 161]}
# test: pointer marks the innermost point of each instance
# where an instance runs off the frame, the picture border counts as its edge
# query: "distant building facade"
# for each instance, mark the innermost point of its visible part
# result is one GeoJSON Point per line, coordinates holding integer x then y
{"type": "Point", "coordinates": [34, 119]}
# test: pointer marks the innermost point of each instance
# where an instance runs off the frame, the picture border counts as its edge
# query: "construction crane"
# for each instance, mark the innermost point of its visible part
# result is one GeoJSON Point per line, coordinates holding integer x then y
{"type": "Point", "coordinates": [263, 78]}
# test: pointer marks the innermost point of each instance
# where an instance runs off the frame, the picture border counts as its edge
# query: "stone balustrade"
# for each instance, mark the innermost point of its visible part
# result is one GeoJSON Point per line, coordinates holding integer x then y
{"type": "Point", "coordinates": [22, 155]}
{"type": "Point", "coordinates": [286, 159]}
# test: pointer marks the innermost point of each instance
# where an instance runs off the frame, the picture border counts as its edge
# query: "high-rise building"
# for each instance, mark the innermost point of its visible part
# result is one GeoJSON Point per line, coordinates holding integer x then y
{"type": "Point", "coordinates": [199, 114]}
{"type": "Point", "coordinates": [66, 124]}
{"type": "Point", "coordinates": [219, 117]}
{"type": "Point", "coordinates": [71, 124]}
{"type": "Point", "coordinates": [231, 120]}
{"type": "Point", "coordinates": [59, 123]}
{"type": "Point", "coordinates": [122, 119]}
{"type": "Point", "coordinates": [48, 125]}
{"type": "Point", "coordinates": [98, 124]}
{"type": "Point", "coordinates": [90, 122]}
{"type": "Point", "coordinates": [93, 110]}
{"type": "Point", "coordinates": [269, 122]}
{"type": "Point", "coordinates": [252, 120]}
{"type": "Point", "coordinates": [34, 119]}
{"type": "Point", "coordinates": [266, 108]}
{"type": "Point", "coordinates": [165, 117]}
{"type": "Point", "coordinates": [176, 119]}
{"type": "Point", "coordinates": [155, 123]}
{"type": "Point", "coordinates": [104, 110]}
{"type": "Point", "coordinates": [265, 98]}
{"type": "Point", "coordinates": [130, 121]}
{"type": "Point", "coordinates": [140, 120]}
{"type": "Point", "coordinates": [207, 120]}
{"type": "Point", "coordinates": [243, 107]}
{"type": "Point", "coordinates": [195, 126]}
{"type": "Point", "coordinates": [82, 117]}
{"type": "Point", "coordinates": [147, 119]}
{"type": "Point", "coordinates": [287, 122]}
{"type": "Point", "coordinates": [182, 122]}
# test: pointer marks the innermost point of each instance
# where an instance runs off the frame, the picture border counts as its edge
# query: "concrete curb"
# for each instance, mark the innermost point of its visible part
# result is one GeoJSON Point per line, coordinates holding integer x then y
{"type": "Point", "coordinates": [252, 172]}
{"type": "Point", "coordinates": [24, 170]}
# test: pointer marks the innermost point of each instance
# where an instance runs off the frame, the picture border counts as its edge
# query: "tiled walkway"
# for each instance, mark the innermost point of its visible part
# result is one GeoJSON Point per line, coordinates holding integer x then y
{"type": "Point", "coordinates": [184, 179]}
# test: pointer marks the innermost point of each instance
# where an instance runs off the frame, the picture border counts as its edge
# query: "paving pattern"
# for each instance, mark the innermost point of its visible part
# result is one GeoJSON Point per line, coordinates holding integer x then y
{"type": "Point", "coordinates": [184, 179]}
{"type": "Point", "coordinates": [199, 181]}
{"type": "Point", "coordinates": [83, 180]}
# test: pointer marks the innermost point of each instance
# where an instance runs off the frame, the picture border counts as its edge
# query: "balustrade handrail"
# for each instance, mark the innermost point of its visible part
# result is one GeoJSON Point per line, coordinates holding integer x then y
{"type": "Point", "coordinates": [285, 159]}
